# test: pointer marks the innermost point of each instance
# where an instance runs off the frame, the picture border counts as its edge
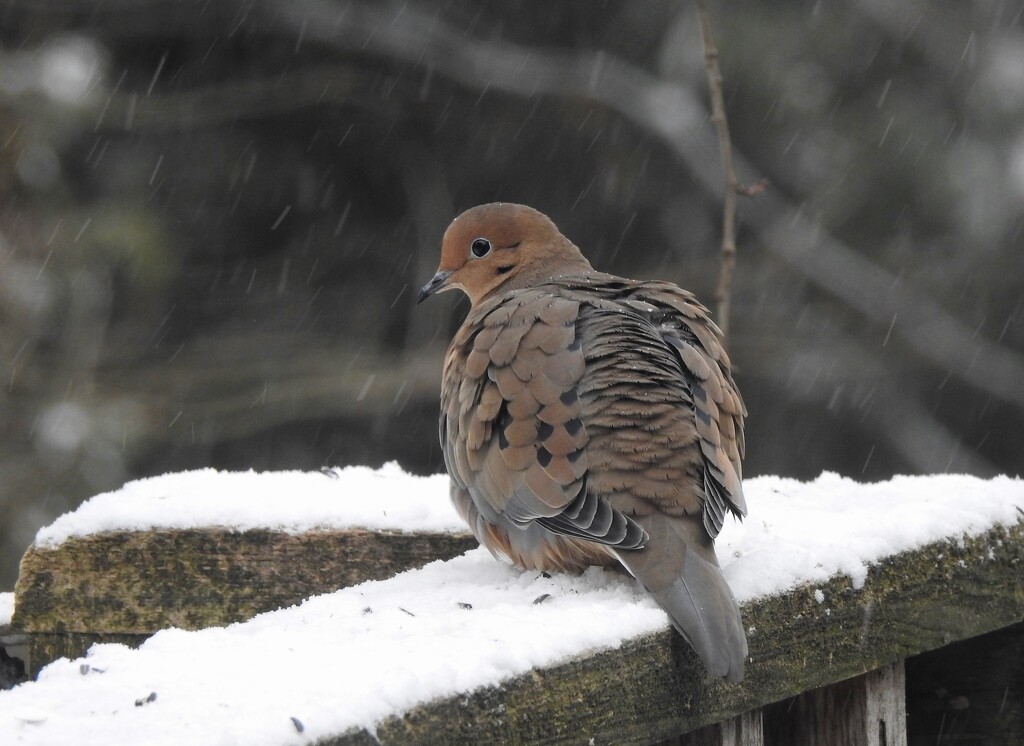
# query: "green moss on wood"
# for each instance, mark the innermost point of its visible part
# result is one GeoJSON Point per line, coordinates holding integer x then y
{"type": "Point", "coordinates": [135, 583]}
{"type": "Point", "coordinates": [654, 687]}
{"type": "Point", "coordinates": [648, 690]}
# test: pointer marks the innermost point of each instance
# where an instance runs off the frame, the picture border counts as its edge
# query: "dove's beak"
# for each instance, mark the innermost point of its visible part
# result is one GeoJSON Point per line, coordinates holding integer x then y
{"type": "Point", "coordinates": [437, 283]}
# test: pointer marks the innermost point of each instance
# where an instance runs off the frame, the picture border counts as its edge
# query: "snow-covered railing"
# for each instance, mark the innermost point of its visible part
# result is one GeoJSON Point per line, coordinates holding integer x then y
{"type": "Point", "coordinates": [839, 583]}
{"type": "Point", "coordinates": [206, 548]}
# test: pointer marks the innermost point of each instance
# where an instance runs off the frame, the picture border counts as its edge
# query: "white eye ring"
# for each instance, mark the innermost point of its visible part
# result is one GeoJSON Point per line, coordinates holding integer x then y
{"type": "Point", "coordinates": [480, 247]}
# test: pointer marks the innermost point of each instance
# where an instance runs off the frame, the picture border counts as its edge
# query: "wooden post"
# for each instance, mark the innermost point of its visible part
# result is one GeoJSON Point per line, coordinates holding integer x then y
{"type": "Point", "coordinates": [742, 730]}
{"type": "Point", "coordinates": [886, 706]}
{"type": "Point", "coordinates": [868, 710]}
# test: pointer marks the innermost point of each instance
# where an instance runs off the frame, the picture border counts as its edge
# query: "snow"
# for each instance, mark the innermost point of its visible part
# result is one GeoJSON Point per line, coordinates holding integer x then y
{"type": "Point", "coordinates": [807, 532]}
{"type": "Point", "coordinates": [338, 660]}
{"type": "Point", "coordinates": [290, 501]}
{"type": "Point", "coordinates": [353, 657]}
{"type": "Point", "coordinates": [6, 608]}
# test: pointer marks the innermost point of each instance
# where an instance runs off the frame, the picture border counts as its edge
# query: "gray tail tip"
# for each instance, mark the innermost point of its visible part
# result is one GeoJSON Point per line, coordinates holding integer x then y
{"type": "Point", "coordinates": [727, 663]}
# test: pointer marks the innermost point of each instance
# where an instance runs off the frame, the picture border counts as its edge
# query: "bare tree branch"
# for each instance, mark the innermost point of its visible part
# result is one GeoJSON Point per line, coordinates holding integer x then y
{"type": "Point", "coordinates": [723, 293]}
{"type": "Point", "coordinates": [671, 112]}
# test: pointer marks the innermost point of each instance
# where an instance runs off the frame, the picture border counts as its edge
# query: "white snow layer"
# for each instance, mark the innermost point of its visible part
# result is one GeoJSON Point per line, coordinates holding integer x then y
{"type": "Point", "coordinates": [6, 608]}
{"type": "Point", "coordinates": [353, 657]}
{"type": "Point", "coordinates": [290, 501]}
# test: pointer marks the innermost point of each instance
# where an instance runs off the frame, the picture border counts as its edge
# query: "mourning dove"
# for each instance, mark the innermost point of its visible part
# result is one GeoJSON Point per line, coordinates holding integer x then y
{"type": "Point", "coordinates": [588, 419]}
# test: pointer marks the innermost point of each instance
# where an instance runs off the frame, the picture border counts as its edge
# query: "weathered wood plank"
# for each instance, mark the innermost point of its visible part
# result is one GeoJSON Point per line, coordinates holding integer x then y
{"type": "Point", "coordinates": [653, 688]}
{"type": "Point", "coordinates": [885, 717]}
{"type": "Point", "coordinates": [743, 730]}
{"type": "Point", "coordinates": [124, 586]}
{"type": "Point", "coordinates": [868, 710]}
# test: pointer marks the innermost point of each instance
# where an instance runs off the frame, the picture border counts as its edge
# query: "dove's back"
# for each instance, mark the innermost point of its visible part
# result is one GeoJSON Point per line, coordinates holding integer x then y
{"type": "Point", "coordinates": [594, 420]}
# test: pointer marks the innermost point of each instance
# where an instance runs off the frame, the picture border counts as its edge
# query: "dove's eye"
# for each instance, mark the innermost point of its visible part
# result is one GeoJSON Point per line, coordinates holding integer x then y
{"type": "Point", "coordinates": [481, 247]}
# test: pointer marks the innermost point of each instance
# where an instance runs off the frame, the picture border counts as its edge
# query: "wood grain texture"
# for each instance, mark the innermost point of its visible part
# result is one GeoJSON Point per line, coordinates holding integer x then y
{"type": "Point", "coordinates": [124, 586]}
{"type": "Point", "coordinates": [742, 730]}
{"type": "Point", "coordinates": [867, 710]}
{"type": "Point", "coordinates": [653, 688]}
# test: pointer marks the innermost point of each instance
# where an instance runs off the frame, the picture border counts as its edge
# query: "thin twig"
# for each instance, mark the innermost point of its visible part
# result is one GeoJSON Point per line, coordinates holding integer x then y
{"type": "Point", "coordinates": [723, 293]}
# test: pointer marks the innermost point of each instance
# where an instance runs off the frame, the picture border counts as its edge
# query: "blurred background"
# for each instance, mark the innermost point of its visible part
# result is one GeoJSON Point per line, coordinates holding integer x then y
{"type": "Point", "coordinates": [214, 217]}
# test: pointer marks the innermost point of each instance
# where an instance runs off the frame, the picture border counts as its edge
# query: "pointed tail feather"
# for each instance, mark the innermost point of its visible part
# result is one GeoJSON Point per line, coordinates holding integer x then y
{"type": "Point", "coordinates": [679, 569]}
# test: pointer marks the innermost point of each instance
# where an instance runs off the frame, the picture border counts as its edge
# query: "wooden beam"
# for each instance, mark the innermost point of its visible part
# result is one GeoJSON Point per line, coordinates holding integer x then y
{"type": "Point", "coordinates": [650, 689]}
{"type": "Point", "coordinates": [653, 687]}
{"type": "Point", "coordinates": [124, 586]}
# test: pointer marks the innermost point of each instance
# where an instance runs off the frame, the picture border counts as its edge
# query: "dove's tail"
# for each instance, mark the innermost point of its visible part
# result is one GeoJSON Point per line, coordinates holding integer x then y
{"type": "Point", "coordinates": [679, 569]}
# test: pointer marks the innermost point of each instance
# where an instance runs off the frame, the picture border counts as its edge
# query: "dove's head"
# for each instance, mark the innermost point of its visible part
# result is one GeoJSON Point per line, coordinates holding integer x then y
{"type": "Point", "coordinates": [502, 246]}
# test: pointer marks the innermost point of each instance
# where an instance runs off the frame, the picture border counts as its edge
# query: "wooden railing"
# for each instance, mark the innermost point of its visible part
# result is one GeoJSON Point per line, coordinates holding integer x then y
{"type": "Point", "coordinates": [819, 673]}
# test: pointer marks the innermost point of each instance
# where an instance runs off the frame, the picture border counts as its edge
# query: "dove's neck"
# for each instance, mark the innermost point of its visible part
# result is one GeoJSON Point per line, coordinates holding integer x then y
{"type": "Point", "coordinates": [561, 260]}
